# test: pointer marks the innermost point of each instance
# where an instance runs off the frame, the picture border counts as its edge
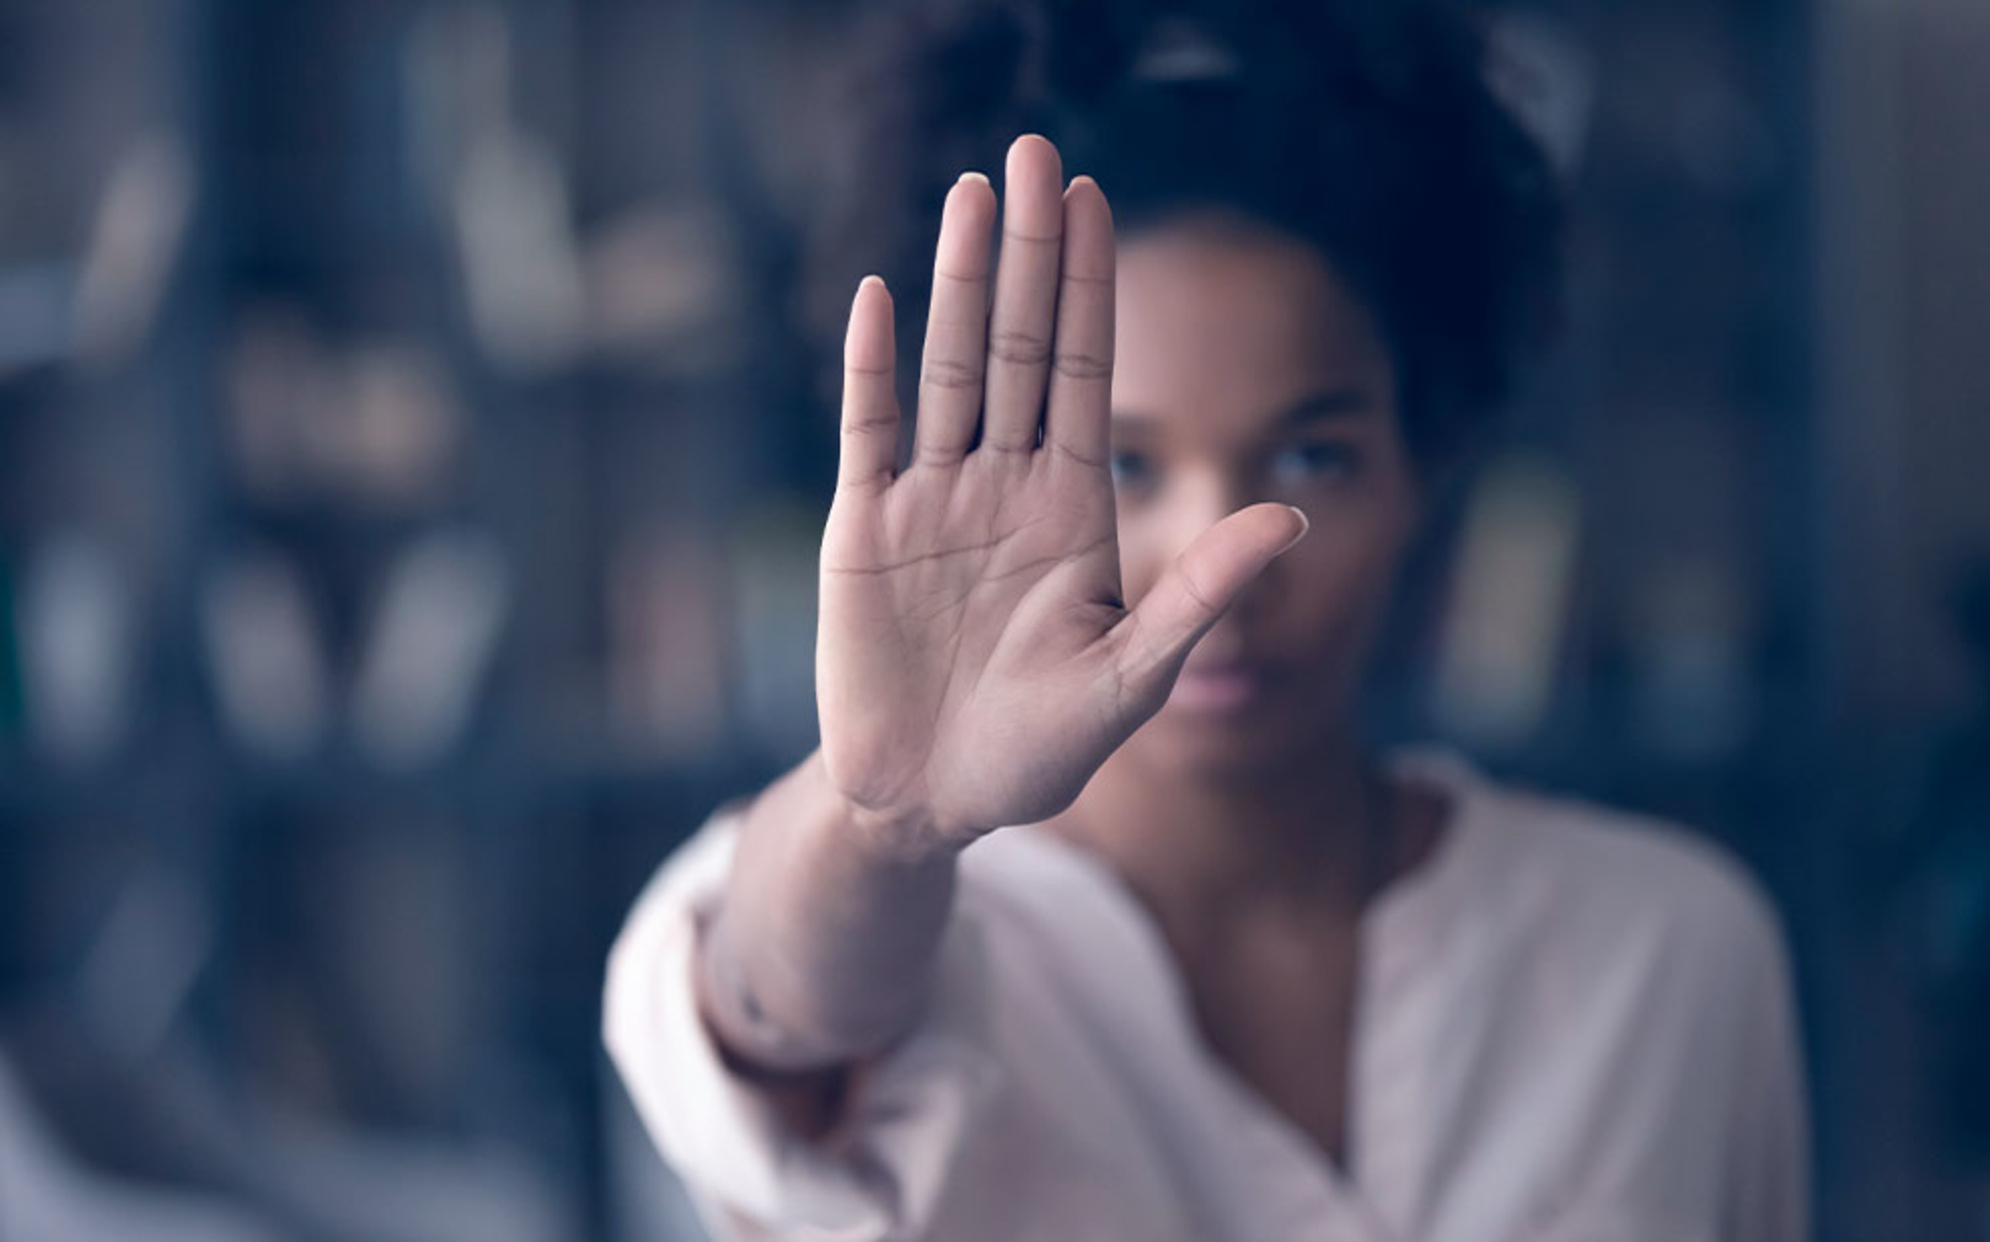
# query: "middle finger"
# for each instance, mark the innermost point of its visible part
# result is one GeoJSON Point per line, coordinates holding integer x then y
{"type": "Point", "coordinates": [1021, 327]}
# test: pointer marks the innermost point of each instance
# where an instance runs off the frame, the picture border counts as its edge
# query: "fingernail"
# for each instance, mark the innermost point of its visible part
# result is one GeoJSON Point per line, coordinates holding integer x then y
{"type": "Point", "coordinates": [1084, 177]}
{"type": "Point", "coordinates": [870, 280]}
{"type": "Point", "coordinates": [973, 176]}
{"type": "Point", "coordinates": [1304, 526]}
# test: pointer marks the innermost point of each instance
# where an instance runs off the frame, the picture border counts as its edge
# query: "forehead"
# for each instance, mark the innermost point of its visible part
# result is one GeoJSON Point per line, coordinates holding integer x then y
{"type": "Point", "coordinates": [1228, 324]}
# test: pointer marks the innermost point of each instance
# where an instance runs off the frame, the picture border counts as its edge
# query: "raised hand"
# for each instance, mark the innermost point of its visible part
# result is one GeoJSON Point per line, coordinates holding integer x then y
{"type": "Point", "coordinates": [975, 662]}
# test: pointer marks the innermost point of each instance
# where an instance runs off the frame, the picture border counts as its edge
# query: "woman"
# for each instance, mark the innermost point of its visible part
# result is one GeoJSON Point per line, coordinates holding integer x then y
{"type": "Point", "coordinates": [1091, 918]}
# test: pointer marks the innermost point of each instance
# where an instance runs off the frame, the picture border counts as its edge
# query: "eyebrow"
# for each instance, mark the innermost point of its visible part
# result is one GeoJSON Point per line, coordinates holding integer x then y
{"type": "Point", "coordinates": [1320, 406]}
{"type": "Point", "coordinates": [1337, 403]}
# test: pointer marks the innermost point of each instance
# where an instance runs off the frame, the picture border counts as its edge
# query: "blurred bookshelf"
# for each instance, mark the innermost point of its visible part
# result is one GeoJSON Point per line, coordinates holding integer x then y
{"type": "Point", "coordinates": [387, 485]}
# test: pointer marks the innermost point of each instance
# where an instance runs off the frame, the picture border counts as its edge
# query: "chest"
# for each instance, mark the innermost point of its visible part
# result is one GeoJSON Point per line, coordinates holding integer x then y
{"type": "Point", "coordinates": [1277, 1011]}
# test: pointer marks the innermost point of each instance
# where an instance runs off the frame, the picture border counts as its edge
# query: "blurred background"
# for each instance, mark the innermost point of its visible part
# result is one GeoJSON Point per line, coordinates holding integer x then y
{"type": "Point", "coordinates": [410, 473]}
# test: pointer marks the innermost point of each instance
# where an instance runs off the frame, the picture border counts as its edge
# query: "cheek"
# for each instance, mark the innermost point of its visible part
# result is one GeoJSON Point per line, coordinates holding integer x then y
{"type": "Point", "coordinates": [1327, 594]}
{"type": "Point", "coordinates": [1340, 567]}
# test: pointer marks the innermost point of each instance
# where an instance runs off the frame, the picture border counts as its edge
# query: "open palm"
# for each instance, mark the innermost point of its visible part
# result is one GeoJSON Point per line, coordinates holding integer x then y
{"type": "Point", "coordinates": [976, 662]}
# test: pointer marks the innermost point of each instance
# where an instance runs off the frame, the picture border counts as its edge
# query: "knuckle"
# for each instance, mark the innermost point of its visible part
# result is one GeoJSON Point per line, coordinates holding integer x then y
{"type": "Point", "coordinates": [870, 424]}
{"type": "Point", "coordinates": [866, 484]}
{"type": "Point", "coordinates": [1083, 366]}
{"type": "Point", "coordinates": [1021, 348]}
{"type": "Point", "coordinates": [1198, 598]}
{"type": "Point", "coordinates": [950, 374]}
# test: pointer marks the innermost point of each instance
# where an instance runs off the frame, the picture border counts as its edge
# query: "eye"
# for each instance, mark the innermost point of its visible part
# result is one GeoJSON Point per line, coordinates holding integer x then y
{"type": "Point", "coordinates": [1132, 470]}
{"type": "Point", "coordinates": [1310, 463]}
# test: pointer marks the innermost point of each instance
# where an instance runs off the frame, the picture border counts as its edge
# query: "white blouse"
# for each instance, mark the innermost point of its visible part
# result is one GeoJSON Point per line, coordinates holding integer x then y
{"type": "Point", "coordinates": [1571, 1026]}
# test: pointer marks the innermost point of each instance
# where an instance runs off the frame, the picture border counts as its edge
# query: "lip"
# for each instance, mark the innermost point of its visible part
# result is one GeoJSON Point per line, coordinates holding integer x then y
{"type": "Point", "coordinates": [1220, 687]}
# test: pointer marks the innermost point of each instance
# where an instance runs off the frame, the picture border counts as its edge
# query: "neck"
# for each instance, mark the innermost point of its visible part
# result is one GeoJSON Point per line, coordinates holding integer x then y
{"type": "Point", "coordinates": [1309, 836]}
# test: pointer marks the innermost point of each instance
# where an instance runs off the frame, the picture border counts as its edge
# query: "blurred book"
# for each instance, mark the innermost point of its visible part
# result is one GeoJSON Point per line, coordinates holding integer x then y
{"type": "Point", "coordinates": [1509, 605]}
{"type": "Point", "coordinates": [11, 707]}
{"type": "Point", "coordinates": [774, 564]}
{"type": "Point", "coordinates": [76, 632]}
{"type": "Point", "coordinates": [140, 229]}
{"type": "Point", "coordinates": [265, 654]}
{"type": "Point", "coordinates": [429, 646]}
{"type": "Point", "coordinates": [669, 651]}
{"type": "Point", "coordinates": [375, 424]}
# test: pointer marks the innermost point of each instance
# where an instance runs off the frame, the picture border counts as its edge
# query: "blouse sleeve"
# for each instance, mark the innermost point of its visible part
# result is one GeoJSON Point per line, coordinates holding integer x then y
{"type": "Point", "coordinates": [909, 1119]}
{"type": "Point", "coordinates": [1768, 1196]}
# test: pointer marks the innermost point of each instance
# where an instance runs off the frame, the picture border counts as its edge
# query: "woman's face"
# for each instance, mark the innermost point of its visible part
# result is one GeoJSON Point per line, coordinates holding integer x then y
{"type": "Point", "coordinates": [1245, 371]}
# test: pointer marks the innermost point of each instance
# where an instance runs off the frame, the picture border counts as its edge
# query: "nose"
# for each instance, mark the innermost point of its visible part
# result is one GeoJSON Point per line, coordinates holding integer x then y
{"type": "Point", "coordinates": [1201, 497]}
{"type": "Point", "coordinates": [1196, 499]}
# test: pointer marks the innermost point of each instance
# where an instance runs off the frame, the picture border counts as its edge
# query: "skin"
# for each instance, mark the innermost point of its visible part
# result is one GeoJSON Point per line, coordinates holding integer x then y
{"type": "Point", "coordinates": [1004, 633]}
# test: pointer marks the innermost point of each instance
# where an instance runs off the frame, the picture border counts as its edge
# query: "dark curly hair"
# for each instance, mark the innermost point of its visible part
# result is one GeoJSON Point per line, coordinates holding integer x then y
{"type": "Point", "coordinates": [1366, 128]}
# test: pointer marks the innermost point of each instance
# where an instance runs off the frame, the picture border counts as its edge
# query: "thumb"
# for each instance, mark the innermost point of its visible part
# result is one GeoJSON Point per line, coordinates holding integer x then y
{"type": "Point", "coordinates": [1155, 638]}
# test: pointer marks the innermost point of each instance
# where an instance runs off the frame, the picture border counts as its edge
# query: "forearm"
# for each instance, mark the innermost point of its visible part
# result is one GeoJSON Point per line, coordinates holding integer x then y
{"type": "Point", "coordinates": [823, 946]}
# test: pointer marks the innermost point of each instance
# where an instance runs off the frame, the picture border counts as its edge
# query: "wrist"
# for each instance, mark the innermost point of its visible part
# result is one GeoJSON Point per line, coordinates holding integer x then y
{"type": "Point", "coordinates": [904, 836]}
